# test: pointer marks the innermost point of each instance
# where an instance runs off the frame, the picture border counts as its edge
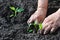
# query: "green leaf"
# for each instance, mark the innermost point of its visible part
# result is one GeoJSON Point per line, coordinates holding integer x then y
{"type": "Point", "coordinates": [12, 8]}
{"type": "Point", "coordinates": [19, 10]}
{"type": "Point", "coordinates": [40, 26]}
{"type": "Point", "coordinates": [11, 15]}
{"type": "Point", "coordinates": [35, 24]}
{"type": "Point", "coordinates": [30, 31]}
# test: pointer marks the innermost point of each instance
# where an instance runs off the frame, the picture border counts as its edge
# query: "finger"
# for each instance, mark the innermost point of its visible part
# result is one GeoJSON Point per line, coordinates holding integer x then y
{"type": "Point", "coordinates": [53, 29]}
{"type": "Point", "coordinates": [40, 19]}
{"type": "Point", "coordinates": [32, 18]}
{"type": "Point", "coordinates": [45, 25]}
{"type": "Point", "coordinates": [37, 21]}
{"type": "Point", "coordinates": [47, 20]}
{"type": "Point", "coordinates": [47, 29]}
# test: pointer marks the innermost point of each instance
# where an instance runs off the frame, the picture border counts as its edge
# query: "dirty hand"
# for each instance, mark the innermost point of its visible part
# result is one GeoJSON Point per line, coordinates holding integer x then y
{"type": "Point", "coordinates": [39, 15]}
{"type": "Point", "coordinates": [51, 23]}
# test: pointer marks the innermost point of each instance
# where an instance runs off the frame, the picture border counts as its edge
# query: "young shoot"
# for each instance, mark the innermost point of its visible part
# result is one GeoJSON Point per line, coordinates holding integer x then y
{"type": "Point", "coordinates": [34, 25]}
{"type": "Point", "coordinates": [16, 10]}
{"type": "Point", "coordinates": [40, 26]}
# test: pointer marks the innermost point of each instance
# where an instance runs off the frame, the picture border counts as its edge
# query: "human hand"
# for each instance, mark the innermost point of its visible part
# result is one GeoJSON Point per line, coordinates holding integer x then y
{"type": "Point", "coordinates": [51, 23]}
{"type": "Point", "coordinates": [39, 15]}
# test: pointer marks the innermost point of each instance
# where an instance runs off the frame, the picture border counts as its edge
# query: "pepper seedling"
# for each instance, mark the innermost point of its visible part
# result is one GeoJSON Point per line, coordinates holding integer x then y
{"type": "Point", "coordinates": [30, 28]}
{"type": "Point", "coordinates": [16, 10]}
{"type": "Point", "coordinates": [34, 27]}
{"type": "Point", "coordinates": [40, 26]}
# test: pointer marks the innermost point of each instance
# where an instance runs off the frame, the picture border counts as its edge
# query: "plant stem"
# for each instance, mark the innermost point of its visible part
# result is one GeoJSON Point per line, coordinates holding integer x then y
{"type": "Point", "coordinates": [15, 13]}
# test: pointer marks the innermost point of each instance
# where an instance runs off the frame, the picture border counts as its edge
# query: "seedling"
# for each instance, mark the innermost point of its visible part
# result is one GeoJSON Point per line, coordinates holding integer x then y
{"type": "Point", "coordinates": [16, 10]}
{"type": "Point", "coordinates": [40, 26]}
{"type": "Point", "coordinates": [34, 27]}
{"type": "Point", "coordinates": [30, 28]}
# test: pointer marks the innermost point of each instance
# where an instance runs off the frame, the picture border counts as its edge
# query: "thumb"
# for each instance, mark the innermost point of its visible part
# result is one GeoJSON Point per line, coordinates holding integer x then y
{"type": "Point", "coordinates": [31, 19]}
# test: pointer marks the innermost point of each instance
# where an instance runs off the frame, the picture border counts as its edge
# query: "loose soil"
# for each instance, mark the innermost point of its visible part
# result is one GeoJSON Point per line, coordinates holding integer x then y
{"type": "Point", "coordinates": [14, 28]}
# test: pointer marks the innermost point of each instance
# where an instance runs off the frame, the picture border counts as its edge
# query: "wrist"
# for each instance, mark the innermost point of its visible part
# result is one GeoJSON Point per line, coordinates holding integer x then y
{"type": "Point", "coordinates": [42, 10]}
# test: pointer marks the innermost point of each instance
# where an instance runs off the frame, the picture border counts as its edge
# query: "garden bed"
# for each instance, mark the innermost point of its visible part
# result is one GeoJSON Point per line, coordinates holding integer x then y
{"type": "Point", "coordinates": [14, 28]}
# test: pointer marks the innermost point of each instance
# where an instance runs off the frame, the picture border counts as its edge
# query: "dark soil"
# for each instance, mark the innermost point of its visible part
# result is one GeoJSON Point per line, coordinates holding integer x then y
{"type": "Point", "coordinates": [15, 28]}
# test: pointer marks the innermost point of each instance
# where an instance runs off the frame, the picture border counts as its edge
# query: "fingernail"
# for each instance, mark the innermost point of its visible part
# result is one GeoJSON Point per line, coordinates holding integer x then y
{"type": "Point", "coordinates": [29, 21]}
{"type": "Point", "coordinates": [44, 32]}
{"type": "Point", "coordinates": [52, 30]}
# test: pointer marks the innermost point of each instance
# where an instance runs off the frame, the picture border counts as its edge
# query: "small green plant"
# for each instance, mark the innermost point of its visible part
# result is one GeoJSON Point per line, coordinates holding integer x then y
{"type": "Point", "coordinates": [30, 28]}
{"type": "Point", "coordinates": [16, 10]}
{"type": "Point", "coordinates": [40, 26]}
{"type": "Point", "coordinates": [34, 27]}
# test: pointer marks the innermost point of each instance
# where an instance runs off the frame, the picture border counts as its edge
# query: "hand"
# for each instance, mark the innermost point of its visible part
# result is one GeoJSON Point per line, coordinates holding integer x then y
{"type": "Point", "coordinates": [51, 23]}
{"type": "Point", "coordinates": [39, 15]}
